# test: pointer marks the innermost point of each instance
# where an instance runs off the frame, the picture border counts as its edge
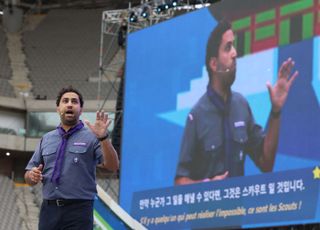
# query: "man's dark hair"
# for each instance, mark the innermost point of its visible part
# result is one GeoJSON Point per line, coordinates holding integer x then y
{"type": "Point", "coordinates": [214, 42]}
{"type": "Point", "coordinates": [69, 89]}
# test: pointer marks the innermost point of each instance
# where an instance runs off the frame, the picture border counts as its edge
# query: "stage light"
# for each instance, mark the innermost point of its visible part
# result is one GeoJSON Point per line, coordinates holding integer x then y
{"type": "Point", "coordinates": [133, 17]}
{"type": "Point", "coordinates": [145, 12]}
{"type": "Point", "coordinates": [159, 9]}
{"type": "Point", "coordinates": [174, 3]}
{"type": "Point", "coordinates": [167, 6]}
{"type": "Point", "coordinates": [162, 8]}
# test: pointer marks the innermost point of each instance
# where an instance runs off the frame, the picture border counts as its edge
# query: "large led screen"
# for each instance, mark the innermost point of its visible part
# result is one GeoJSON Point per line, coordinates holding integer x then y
{"type": "Point", "coordinates": [166, 75]}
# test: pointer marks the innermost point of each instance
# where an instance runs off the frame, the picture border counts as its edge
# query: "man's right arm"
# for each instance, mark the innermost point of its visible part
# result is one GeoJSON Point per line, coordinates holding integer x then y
{"type": "Point", "coordinates": [187, 150]}
{"type": "Point", "coordinates": [34, 176]}
{"type": "Point", "coordinates": [187, 180]}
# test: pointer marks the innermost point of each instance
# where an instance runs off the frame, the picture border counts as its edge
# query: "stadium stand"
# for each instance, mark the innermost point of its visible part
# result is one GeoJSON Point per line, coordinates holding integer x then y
{"type": "Point", "coordinates": [110, 185]}
{"type": "Point", "coordinates": [9, 213]}
{"type": "Point", "coordinates": [6, 89]}
{"type": "Point", "coordinates": [19, 80]}
{"type": "Point", "coordinates": [60, 54]}
{"type": "Point", "coordinates": [37, 192]}
{"type": "Point", "coordinates": [28, 209]}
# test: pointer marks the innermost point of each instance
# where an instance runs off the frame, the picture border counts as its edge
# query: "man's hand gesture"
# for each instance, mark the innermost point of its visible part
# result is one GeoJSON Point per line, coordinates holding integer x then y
{"type": "Point", "coordinates": [279, 92]}
{"type": "Point", "coordinates": [100, 127]}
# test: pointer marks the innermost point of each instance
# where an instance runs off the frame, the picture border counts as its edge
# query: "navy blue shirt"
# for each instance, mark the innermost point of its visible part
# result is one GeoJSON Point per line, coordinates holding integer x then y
{"type": "Point", "coordinates": [77, 181]}
{"type": "Point", "coordinates": [203, 148]}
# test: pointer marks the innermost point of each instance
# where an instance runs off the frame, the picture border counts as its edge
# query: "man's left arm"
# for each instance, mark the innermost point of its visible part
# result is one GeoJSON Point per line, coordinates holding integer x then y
{"type": "Point", "coordinates": [110, 156]}
{"type": "Point", "coordinates": [278, 96]}
{"type": "Point", "coordinates": [270, 143]}
{"type": "Point", "coordinates": [100, 128]}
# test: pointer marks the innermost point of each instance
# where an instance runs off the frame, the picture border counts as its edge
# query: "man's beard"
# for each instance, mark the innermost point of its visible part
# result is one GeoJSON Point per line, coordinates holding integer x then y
{"type": "Point", "coordinates": [69, 122]}
{"type": "Point", "coordinates": [228, 78]}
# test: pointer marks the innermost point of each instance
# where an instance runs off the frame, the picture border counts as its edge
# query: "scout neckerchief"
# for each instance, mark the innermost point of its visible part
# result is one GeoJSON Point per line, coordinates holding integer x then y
{"type": "Point", "coordinates": [224, 112]}
{"type": "Point", "coordinates": [62, 148]}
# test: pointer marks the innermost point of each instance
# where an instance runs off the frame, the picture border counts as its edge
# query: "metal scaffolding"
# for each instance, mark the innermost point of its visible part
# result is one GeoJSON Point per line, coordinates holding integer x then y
{"type": "Point", "coordinates": [117, 24]}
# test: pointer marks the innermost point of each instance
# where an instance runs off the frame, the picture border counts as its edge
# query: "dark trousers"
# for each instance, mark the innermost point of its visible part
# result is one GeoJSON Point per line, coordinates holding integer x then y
{"type": "Point", "coordinates": [75, 216]}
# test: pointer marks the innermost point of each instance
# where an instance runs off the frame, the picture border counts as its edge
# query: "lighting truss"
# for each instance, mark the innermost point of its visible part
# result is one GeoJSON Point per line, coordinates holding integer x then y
{"type": "Point", "coordinates": [115, 20]}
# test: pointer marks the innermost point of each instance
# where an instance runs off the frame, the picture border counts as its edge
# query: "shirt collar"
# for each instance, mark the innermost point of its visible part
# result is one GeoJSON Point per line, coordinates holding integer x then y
{"type": "Point", "coordinates": [218, 101]}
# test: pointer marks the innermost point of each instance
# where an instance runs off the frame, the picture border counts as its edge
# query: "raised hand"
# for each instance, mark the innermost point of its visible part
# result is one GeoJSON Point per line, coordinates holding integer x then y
{"type": "Point", "coordinates": [279, 92]}
{"type": "Point", "coordinates": [100, 127]}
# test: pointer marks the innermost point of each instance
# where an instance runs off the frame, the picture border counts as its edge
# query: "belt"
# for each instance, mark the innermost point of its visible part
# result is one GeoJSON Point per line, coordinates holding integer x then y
{"type": "Point", "coordinates": [63, 202]}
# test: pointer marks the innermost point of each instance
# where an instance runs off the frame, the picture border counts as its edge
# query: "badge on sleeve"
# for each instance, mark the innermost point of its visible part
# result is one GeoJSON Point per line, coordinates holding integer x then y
{"type": "Point", "coordinates": [190, 117]}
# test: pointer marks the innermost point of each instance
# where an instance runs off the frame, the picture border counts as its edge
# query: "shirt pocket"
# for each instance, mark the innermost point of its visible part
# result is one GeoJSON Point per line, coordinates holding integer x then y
{"type": "Point", "coordinates": [49, 156]}
{"type": "Point", "coordinates": [240, 134]}
{"type": "Point", "coordinates": [212, 145]}
{"type": "Point", "coordinates": [240, 138]}
{"type": "Point", "coordinates": [213, 162]}
{"type": "Point", "coordinates": [78, 155]}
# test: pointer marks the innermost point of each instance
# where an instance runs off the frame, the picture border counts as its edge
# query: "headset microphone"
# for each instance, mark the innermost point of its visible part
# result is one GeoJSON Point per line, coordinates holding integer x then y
{"type": "Point", "coordinates": [223, 71]}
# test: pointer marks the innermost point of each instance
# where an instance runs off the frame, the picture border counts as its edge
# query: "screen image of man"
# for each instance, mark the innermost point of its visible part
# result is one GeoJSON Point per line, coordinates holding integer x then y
{"type": "Point", "coordinates": [65, 163]}
{"type": "Point", "coordinates": [220, 130]}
